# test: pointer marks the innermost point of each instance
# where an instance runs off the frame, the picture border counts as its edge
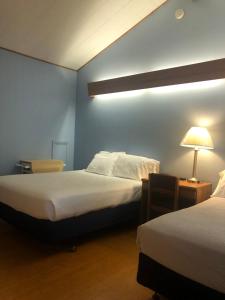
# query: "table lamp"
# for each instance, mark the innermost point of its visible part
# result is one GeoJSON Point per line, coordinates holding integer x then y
{"type": "Point", "coordinates": [197, 138]}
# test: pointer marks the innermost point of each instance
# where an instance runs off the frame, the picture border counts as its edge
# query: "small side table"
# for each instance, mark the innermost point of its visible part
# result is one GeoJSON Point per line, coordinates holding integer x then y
{"type": "Point", "coordinates": [40, 166]}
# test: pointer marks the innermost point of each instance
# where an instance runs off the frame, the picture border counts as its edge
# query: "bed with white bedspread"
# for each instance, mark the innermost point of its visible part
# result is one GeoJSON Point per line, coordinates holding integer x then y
{"type": "Point", "coordinates": [59, 205]}
{"type": "Point", "coordinates": [61, 195]}
{"type": "Point", "coordinates": [182, 254]}
{"type": "Point", "coordinates": [190, 242]}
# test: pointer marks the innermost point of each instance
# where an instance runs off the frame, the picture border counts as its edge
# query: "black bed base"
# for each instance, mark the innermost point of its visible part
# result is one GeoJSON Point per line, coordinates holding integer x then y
{"type": "Point", "coordinates": [70, 229]}
{"type": "Point", "coordinates": [170, 284]}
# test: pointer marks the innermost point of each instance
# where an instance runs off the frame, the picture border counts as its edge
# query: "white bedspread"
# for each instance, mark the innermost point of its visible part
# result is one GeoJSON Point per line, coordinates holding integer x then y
{"type": "Point", "coordinates": [190, 242]}
{"type": "Point", "coordinates": [56, 196]}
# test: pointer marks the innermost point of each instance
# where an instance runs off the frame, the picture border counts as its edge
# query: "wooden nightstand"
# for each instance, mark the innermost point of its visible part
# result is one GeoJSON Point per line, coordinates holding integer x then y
{"type": "Point", "coordinates": [189, 194]}
{"type": "Point", "coordinates": [192, 193]}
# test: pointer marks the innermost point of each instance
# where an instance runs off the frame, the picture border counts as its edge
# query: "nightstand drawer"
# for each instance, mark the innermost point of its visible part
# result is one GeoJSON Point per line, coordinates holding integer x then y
{"type": "Point", "coordinates": [187, 197]}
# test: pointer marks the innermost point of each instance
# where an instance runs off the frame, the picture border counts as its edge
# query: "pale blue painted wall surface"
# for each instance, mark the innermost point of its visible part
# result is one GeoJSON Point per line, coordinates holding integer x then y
{"type": "Point", "coordinates": [154, 124]}
{"type": "Point", "coordinates": [37, 105]}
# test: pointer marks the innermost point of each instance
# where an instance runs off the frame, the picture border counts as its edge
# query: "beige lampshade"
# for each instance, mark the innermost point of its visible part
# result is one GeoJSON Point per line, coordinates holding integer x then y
{"type": "Point", "coordinates": [197, 137]}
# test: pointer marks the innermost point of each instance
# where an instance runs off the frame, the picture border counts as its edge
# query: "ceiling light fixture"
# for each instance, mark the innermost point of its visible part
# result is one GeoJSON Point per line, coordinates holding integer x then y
{"type": "Point", "coordinates": [179, 14]}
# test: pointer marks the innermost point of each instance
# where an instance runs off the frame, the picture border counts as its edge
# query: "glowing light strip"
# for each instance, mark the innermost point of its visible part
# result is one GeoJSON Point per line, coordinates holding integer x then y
{"type": "Point", "coordinates": [163, 90]}
{"type": "Point", "coordinates": [187, 86]}
{"type": "Point", "coordinates": [120, 95]}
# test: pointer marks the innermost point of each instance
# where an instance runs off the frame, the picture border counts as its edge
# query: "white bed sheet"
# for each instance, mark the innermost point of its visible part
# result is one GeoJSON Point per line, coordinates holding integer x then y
{"type": "Point", "coordinates": [57, 196]}
{"type": "Point", "coordinates": [190, 242]}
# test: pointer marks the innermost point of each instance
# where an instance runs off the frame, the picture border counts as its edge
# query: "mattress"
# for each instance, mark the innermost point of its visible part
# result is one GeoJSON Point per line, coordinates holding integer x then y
{"type": "Point", "coordinates": [61, 195]}
{"type": "Point", "coordinates": [190, 242]}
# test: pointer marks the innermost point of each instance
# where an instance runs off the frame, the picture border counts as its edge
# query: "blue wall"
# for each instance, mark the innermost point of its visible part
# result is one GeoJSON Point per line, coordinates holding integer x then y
{"type": "Point", "coordinates": [37, 105]}
{"type": "Point", "coordinates": [153, 124]}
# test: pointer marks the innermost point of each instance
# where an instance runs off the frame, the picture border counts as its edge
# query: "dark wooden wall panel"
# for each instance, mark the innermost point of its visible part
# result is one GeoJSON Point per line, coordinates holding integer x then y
{"type": "Point", "coordinates": [185, 74]}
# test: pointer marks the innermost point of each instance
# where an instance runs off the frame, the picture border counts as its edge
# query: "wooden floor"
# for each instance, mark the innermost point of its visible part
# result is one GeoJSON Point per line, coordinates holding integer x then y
{"type": "Point", "coordinates": [103, 268]}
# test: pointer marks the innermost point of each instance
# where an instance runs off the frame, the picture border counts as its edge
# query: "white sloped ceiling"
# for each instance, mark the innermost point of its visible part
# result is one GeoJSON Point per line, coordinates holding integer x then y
{"type": "Point", "coordinates": [68, 32]}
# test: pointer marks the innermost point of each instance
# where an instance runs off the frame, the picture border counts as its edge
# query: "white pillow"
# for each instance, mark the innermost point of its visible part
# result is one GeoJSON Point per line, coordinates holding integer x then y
{"type": "Point", "coordinates": [222, 173]}
{"type": "Point", "coordinates": [103, 163]}
{"type": "Point", "coordinates": [220, 188]}
{"type": "Point", "coordinates": [103, 152]}
{"type": "Point", "coordinates": [107, 153]}
{"type": "Point", "coordinates": [134, 167]}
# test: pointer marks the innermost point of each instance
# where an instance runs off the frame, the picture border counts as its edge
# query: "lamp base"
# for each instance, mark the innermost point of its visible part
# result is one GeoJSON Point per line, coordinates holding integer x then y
{"type": "Point", "coordinates": [193, 179]}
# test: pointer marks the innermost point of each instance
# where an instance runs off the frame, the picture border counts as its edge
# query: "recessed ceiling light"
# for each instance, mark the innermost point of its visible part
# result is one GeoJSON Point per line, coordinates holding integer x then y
{"type": "Point", "coordinates": [179, 14]}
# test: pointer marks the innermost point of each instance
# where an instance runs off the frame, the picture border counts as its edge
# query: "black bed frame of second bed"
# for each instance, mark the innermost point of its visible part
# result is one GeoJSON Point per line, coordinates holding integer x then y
{"type": "Point", "coordinates": [170, 284]}
{"type": "Point", "coordinates": [68, 230]}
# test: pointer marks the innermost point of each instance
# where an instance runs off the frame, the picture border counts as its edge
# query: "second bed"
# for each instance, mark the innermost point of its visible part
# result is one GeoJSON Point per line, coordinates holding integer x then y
{"type": "Point", "coordinates": [182, 254]}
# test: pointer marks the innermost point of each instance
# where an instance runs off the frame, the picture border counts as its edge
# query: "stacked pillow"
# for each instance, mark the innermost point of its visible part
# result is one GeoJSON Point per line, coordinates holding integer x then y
{"type": "Point", "coordinates": [119, 164]}
{"type": "Point", "coordinates": [220, 189]}
{"type": "Point", "coordinates": [103, 163]}
{"type": "Point", "coordinates": [134, 167]}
